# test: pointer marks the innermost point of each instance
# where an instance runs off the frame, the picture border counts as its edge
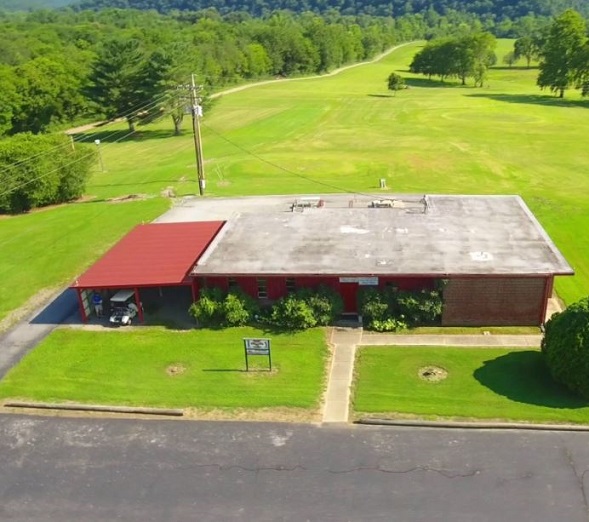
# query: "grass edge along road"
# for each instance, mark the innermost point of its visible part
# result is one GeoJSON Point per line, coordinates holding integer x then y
{"type": "Point", "coordinates": [481, 384]}
{"type": "Point", "coordinates": [152, 366]}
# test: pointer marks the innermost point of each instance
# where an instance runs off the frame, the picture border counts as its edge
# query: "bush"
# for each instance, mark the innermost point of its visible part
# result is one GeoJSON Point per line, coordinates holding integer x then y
{"type": "Point", "coordinates": [325, 303]}
{"type": "Point", "coordinates": [566, 347]}
{"type": "Point", "coordinates": [208, 310]}
{"type": "Point", "coordinates": [216, 308]}
{"type": "Point", "coordinates": [389, 309]}
{"type": "Point", "coordinates": [57, 175]}
{"type": "Point", "coordinates": [239, 309]}
{"type": "Point", "coordinates": [387, 325]}
{"type": "Point", "coordinates": [374, 305]}
{"type": "Point", "coordinates": [293, 313]}
{"type": "Point", "coordinates": [422, 308]}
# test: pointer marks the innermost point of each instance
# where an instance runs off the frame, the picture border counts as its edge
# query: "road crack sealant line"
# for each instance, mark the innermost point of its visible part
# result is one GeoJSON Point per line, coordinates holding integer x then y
{"type": "Point", "coordinates": [476, 425]}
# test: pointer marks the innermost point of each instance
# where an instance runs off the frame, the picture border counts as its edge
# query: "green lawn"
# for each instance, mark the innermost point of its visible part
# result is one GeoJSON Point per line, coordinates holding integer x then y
{"type": "Point", "coordinates": [129, 367]}
{"type": "Point", "coordinates": [482, 383]}
{"type": "Point", "coordinates": [330, 134]}
{"type": "Point", "coordinates": [50, 247]}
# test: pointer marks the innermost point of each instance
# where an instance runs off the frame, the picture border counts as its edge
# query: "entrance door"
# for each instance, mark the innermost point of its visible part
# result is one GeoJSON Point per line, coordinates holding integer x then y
{"type": "Point", "coordinates": [349, 293]}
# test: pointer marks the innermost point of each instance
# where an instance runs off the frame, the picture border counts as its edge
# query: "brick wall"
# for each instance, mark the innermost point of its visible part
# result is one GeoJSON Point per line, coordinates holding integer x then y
{"type": "Point", "coordinates": [494, 301]}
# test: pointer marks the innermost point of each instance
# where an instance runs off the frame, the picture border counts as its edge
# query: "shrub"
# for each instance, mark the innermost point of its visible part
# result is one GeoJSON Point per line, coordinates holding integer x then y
{"type": "Point", "coordinates": [387, 325]}
{"type": "Point", "coordinates": [216, 308]}
{"type": "Point", "coordinates": [325, 303]}
{"type": "Point", "coordinates": [57, 175]}
{"type": "Point", "coordinates": [566, 347]}
{"type": "Point", "coordinates": [390, 309]}
{"type": "Point", "coordinates": [208, 310]}
{"type": "Point", "coordinates": [293, 313]}
{"type": "Point", "coordinates": [420, 308]}
{"type": "Point", "coordinates": [239, 309]}
{"type": "Point", "coordinates": [374, 305]}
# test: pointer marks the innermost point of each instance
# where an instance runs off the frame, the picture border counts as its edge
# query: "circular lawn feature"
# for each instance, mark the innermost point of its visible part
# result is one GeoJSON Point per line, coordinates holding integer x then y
{"type": "Point", "coordinates": [432, 373]}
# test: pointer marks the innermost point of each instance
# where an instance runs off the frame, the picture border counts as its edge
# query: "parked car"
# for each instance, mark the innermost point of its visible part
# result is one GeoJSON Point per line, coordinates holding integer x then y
{"type": "Point", "coordinates": [123, 308]}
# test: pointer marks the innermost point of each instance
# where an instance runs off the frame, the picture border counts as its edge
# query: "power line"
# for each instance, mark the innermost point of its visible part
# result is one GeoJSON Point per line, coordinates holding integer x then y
{"type": "Point", "coordinates": [284, 169]}
{"type": "Point", "coordinates": [44, 175]}
{"type": "Point", "coordinates": [51, 150]}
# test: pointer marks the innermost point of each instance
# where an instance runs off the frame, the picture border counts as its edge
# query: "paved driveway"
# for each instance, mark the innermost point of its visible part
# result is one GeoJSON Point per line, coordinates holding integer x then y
{"type": "Point", "coordinates": [88, 470]}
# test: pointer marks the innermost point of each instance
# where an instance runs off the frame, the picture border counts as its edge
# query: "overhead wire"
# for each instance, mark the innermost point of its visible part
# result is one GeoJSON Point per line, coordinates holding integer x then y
{"type": "Point", "coordinates": [81, 138]}
{"type": "Point", "coordinates": [284, 169]}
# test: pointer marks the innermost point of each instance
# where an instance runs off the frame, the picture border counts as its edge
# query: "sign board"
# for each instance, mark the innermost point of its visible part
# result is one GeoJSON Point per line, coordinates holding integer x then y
{"type": "Point", "coordinates": [362, 281]}
{"type": "Point", "coordinates": [257, 346]}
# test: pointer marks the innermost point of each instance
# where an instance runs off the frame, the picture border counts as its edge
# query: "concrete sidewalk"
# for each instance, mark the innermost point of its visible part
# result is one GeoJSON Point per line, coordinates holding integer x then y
{"type": "Point", "coordinates": [346, 340]}
{"type": "Point", "coordinates": [511, 341]}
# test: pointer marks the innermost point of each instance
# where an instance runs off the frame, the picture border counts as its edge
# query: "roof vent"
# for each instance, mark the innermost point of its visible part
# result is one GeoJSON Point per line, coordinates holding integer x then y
{"type": "Point", "coordinates": [481, 256]}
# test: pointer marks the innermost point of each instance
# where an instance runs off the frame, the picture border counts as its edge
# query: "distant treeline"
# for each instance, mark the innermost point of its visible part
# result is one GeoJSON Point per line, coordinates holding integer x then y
{"type": "Point", "coordinates": [497, 9]}
{"type": "Point", "coordinates": [54, 63]}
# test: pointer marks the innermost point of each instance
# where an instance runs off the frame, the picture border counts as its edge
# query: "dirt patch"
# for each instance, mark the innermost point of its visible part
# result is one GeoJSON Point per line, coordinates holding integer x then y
{"type": "Point", "coordinates": [127, 198]}
{"type": "Point", "coordinates": [297, 415]}
{"type": "Point", "coordinates": [258, 415]}
{"type": "Point", "coordinates": [432, 373]}
{"type": "Point", "coordinates": [175, 369]}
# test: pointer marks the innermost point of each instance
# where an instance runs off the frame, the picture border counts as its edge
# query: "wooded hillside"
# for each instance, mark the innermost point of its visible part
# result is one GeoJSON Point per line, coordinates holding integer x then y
{"type": "Point", "coordinates": [496, 8]}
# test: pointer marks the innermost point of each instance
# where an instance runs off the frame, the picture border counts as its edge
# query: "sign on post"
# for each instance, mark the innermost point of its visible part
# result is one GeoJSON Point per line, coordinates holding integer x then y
{"type": "Point", "coordinates": [257, 346]}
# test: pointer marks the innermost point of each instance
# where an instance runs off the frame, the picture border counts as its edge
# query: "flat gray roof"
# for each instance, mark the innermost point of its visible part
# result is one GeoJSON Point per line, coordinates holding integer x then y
{"type": "Point", "coordinates": [408, 235]}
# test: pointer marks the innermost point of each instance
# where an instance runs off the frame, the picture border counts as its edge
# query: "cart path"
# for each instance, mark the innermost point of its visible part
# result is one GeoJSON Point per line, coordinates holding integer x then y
{"type": "Point", "coordinates": [314, 77]}
{"type": "Point", "coordinates": [90, 126]}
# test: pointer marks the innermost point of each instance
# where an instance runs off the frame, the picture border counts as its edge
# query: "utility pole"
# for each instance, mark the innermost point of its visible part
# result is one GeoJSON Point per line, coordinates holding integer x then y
{"type": "Point", "coordinates": [97, 143]}
{"type": "Point", "coordinates": [196, 107]}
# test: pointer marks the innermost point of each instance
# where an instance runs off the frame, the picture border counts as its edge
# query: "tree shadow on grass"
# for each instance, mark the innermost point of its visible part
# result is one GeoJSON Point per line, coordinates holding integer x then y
{"type": "Point", "coordinates": [430, 82]}
{"type": "Point", "coordinates": [380, 95]}
{"type": "Point", "coordinates": [523, 376]}
{"type": "Point", "coordinates": [534, 99]}
{"type": "Point", "coordinates": [514, 68]}
{"type": "Point", "coordinates": [123, 136]}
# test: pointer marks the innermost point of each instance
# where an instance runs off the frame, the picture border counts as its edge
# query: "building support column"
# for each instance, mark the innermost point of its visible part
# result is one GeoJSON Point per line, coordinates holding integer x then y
{"type": "Point", "coordinates": [139, 305]}
{"type": "Point", "coordinates": [81, 305]}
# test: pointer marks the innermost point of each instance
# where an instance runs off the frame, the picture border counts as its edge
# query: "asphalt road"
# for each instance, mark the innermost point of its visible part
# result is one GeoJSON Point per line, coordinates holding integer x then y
{"type": "Point", "coordinates": [58, 469]}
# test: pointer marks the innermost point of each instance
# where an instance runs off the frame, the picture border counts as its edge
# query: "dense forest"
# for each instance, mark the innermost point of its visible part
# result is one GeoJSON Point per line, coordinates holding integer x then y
{"type": "Point", "coordinates": [496, 9]}
{"type": "Point", "coordinates": [27, 5]}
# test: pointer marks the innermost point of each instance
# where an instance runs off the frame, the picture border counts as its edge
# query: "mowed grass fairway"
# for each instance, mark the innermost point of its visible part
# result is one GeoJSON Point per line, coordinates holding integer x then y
{"type": "Point", "coordinates": [49, 247]}
{"type": "Point", "coordinates": [132, 367]}
{"type": "Point", "coordinates": [482, 383]}
{"type": "Point", "coordinates": [345, 132]}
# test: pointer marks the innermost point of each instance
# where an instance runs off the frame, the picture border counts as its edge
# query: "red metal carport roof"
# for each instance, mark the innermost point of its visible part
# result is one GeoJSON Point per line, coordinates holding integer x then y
{"type": "Point", "coordinates": [156, 254]}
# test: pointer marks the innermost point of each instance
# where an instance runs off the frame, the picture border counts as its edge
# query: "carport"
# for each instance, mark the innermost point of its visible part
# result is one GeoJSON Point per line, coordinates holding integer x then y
{"type": "Point", "coordinates": [151, 255]}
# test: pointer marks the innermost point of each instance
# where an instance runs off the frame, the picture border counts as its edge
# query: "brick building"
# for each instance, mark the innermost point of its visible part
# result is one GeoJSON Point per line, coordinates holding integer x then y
{"type": "Point", "coordinates": [496, 261]}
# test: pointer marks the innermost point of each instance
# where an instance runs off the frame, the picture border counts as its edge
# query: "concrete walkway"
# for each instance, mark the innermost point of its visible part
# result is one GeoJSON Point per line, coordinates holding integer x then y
{"type": "Point", "coordinates": [345, 340]}
{"type": "Point", "coordinates": [337, 397]}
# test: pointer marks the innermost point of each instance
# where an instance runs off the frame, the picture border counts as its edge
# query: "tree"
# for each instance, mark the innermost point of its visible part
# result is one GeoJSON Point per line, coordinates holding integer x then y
{"type": "Point", "coordinates": [560, 54]}
{"type": "Point", "coordinates": [118, 80]}
{"type": "Point", "coordinates": [566, 347]}
{"type": "Point", "coordinates": [525, 47]}
{"type": "Point", "coordinates": [56, 175]}
{"type": "Point", "coordinates": [509, 59]}
{"type": "Point", "coordinates": [395, 82]}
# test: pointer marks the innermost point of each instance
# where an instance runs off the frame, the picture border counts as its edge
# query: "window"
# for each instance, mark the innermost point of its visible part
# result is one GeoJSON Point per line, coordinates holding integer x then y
{"type": "Point", "coordinates": [290, 285]}
{"type": "Point", "coordinates": [232, 285]}
{"type": "Point", "coordinates": [262, 289]}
